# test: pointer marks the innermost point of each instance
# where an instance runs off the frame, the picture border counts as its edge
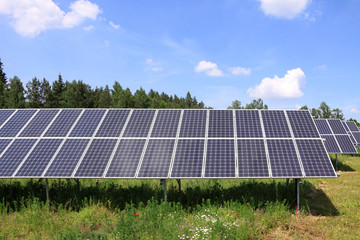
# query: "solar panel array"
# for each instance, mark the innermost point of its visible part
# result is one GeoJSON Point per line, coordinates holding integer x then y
{"type": "Point", "coordinates": [354, 131]}
{"type": "Point", "coordinates": [336, 137]}
{"type": "Point", "coordinates": [161, 143]}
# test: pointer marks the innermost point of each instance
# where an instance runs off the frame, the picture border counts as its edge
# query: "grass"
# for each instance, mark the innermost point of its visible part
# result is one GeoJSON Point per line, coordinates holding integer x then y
{"type": "Point", "coordinates": [204, 209]}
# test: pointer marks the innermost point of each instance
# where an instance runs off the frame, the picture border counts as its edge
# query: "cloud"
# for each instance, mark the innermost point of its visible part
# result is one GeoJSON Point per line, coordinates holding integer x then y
{"type": "Point", "coordinates": [288, 86]}
{"type": "Point", "coordinates": [89, 28]}
{"type": "Point", "coordinates": [156, 69]}
{"type": "Point", "coordinates": [114, 25]}
{"type": "Point", "coordinates": [287, 9]}
{"type": "Point", "coordinates": [30, 18]}
{"type": "Point", "coordinates": [354, 110]}
{"type": "Point", "coordinates": [152, 65]}
{"type": "Point", "coordinates": [240, 71]}
{"type": "Point", "coordinates": [211, 69]}
{"type": "Point", "coordinates": [320, 68]}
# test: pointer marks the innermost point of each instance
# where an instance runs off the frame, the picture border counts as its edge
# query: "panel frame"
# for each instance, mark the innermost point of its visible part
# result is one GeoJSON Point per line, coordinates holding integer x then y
{"type": "Point", "coordinates": [175, 144]}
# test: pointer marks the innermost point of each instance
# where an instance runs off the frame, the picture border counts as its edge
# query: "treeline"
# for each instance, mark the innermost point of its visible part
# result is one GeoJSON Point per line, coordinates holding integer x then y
{"type": "Point", "coordinates": [324, 111]}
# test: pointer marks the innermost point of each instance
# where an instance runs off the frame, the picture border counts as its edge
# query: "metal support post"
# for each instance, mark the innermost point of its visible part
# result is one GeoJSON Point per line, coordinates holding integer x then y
{"type": "Point", "coordinates": [287, 183]}
{"type": "Point", "coordinates": [163, 182]}
{"type": "Point", "coordinates": [47, 192]}
{"type": "Point", "coordinates": [179, 183]}
{"type": "Point", "coordinates": [297, 192]}
{"type": "Point", "coordinates": [336, 168]}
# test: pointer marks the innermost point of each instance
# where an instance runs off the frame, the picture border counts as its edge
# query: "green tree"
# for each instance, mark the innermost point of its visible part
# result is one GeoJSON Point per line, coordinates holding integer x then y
{"type": "Point", "coordinates": [325, 110]}
{"type": "Point", "coordinates": [141, 99]}
{"type": "Point", "coordinates": [305, 107]}
{"type": "Point", "coordinates": [58, 88]}
{"type": "Point", "coordinates": [235, 105]}
{"type": "Point", "coordinates": [77, 94]}
{"type": "Point", "coordinates": [256, 104]}
{"type": "Point", "coordinates": [33, 94]}
{"type": "Point", "coordinates": [15, 94]}
{"type": "Point", "coordinates": [188, 100]}
{"type": "Point", "coordinates": [316, 113]}
{"type": "Point", "coordinates": [121, 98]}
{"type": "Point", "coordinates": [354, 120]}
{"type": "Point", "coordinates": [3, 88]}
{"type": "Point", "coordinates": [47, 94]}
{"type": "Point", "coordinates": [2, 74]}
{"type": "Point", "coordinates": [337, 113]}
{"type": "Point", "coordinates": [104, 100]}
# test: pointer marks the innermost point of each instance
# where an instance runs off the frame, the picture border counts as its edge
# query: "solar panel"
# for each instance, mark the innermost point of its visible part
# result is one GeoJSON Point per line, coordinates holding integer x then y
{"type": "Point", "coordinates": [14, 155]}
{"type": "Point", "coordinates": [345, 126]}
{"type": "Point", "coordinates": [331, 144]}
{"type": "Point", "coordinates": [323, 126]}
{"type": "Point", "coordinates": [252, 161]}
{"type": "Point", "coordinates": [126, 158]}
{"type": "Point", "coordinates": [39, 123]}
{"type": "Point", "coordinates": [248, 124]}
{"type": "Point", "coordinates": [16, 123]}
{"type": "Point", "coordinates": [221, 124]}
{"type": "Point", "coordinates": [345, 144]}
{"type": "Point", "coordinates": [139, 123]}
{"type": "Point", "coordinates": [87, 123]}
{"type": "Point", "coordinates": [65, 161]}
{"type": "Point", "coordinates": [220, 158]}
{"type": "Point", "coordinates": [166, 123]}
{"type": "Point", "coordinates": [352, 126]}
{"type": "Point", "coordinates": [113, 123]}
{"type": "Point", "coordinates": [283, 159]}
{"type": "Point", "coordinates": [315, 161]}
{"type": "Point", "coordinates": [96, 158]}
{"type": "Point", "coordinates": [356, 136]}
{"type": "Point", "coordinates": [39, 158]}
{"type": "Point", "coordinates": [353, 140]}
{"type": "Point", "coordinates": [275, 124]}
{"type": "Point", "coordinates": [63, 123]}
{"type": "Point", "coordinates": [336, 126]}
{"type": "Point", "coordinates": [5, 114]}
{"type": "Point", "coordinates": [302, 124]}
{"type": "Point", "coordinates": [3, 144]}
{"type": "Point", "coordinates": [193, 123]}
{"type": "Point", "coordinates": [188, 159]}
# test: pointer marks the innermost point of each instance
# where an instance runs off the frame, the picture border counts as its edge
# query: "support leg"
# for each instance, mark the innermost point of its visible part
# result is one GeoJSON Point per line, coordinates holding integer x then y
{"type": "Point", "coordinates": [179, 183]}
{"type": "Point", "coordinates": [47, 192]}
{"type": "Point", "coordinates": [287, 183]}
{"type": "Point", "coordinates": [336, 168]}
{"type": "Point", "coordinates": [297, 188]}
{"type": "Point", "coordinates": [163, 182]}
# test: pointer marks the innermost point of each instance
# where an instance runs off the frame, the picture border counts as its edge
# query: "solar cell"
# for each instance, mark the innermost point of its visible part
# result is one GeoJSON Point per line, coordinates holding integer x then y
{"type": "Point", "coordinates": [302, 124]}
{"type": "Point", "coordinates": [283, 159]}
{"type": "Point", "coordinates": [193, 123]}
{"type": "Point", "coordinates": [275, 124]}
{"type": "Point", "coordinates": [3, 144]}
{"type": "Point", "coordinates": [96, 158]}
{"type": "Point", "coordinates": [188, 159]}
{"type": "Point", "coordinates": [39, 158]}
{"type": "Point", "coordinates": [221, 124]}
{"type": "Point", "coordinates": [356, 136]}
{"type": "Point", "coordinates": [5, 114]}
{"type": "Point", "coordinates": [248, 124]}
{"type": "Point", "coordinates": [352, 126]}
{"type": "Point", "coordinates": [220, 158]}
{"type": "Point", "coordinates": [39, 123]}
{"type": "Point", "coordinates": [331, 144]}
{"type": "Point", "coordinates": [63, 123]}
{"type": "Point", "coordinates": [69, 155]}
{"type": "Point", "coordinates": [315, 160]}
{"type": "Point", "coordinates": [126, 158]}
{"type": "Point", "coordinates": [345, 126]}
{"type": "Point", "coordinates": [336, 126]}
{"type": "Point", "coordinates": [139, 123]}
{"type": "Point", "coordinates": [166, 123]}
{"type": "Point", "coordinates": [87, 123]}
{"type": "Point", "coordinates": [353, 140]}
{"type": "Point", "coordinates": [323, 126]}
{"type": "Point", "coordinates": [113, 123]}
{"type": "Point", "coordinates": [252, 161]}
{"type": "Point", "coordinates": [14, 155]}
{"type": "Point", "coordinates": [157, 158]}
{"type": "Point", "coordinates": [345, 144]}
{"type": "Point", "coordinates": [16, 123]}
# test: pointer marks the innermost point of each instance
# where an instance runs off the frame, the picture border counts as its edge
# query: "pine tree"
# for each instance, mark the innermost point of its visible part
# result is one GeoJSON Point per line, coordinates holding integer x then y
{"type": "Point", "coordinates": [2, 74]}
{"type": "Point", "coordinates": [104, 100]}
{"type": "Point", "coordinates": [121, 98]}
{"type": "Point", "coordinates": [15, 94]}
{"type": "Point", "coordinates": [33, 94]}
{"type": "Point", "coordinates": [47, 94]}
{"type": "Point", "coordinates": [141, 99]}
{"type": "Point", "coordinates": [58, 88]}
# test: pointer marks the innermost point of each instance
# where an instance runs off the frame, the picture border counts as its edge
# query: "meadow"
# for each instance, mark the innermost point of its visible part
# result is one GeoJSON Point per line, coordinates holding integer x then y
{"type": "Point", "coordinates": [203, 209]}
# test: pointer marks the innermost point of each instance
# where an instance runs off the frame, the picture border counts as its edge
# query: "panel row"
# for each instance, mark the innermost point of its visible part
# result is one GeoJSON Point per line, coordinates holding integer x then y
{"type": "Point", "coordinates": [164, 158]}
{"type": "Point", "coordinates": [163, 123]}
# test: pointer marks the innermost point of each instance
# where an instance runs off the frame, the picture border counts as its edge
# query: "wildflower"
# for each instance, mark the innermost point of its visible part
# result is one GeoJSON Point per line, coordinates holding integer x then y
{"type": "Point", "coordinates": [247, 204]}
{"type": "Point", "coordinates": [137, 214]}
{"type": "Point", "coordinates": [234, 214]}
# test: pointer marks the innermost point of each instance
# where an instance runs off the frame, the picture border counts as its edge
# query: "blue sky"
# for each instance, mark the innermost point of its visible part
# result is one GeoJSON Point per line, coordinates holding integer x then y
{"type": "Point", "coordinates": [288, 52]}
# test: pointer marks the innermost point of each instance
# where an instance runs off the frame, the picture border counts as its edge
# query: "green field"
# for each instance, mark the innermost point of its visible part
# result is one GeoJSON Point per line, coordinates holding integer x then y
{"type": "Point", "coordinates": [204, 209]}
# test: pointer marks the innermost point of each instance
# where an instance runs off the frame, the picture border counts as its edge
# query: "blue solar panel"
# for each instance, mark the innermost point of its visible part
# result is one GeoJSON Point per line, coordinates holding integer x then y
{"type": "Point", "coordinates": [220, 158]}
{"type": "Point", "coordinates": [352, 126]}
{"type": "Point", "coordinates": [39, 158]}
{"type": "Point", "coordinates": [283, 159]}
{"type": "Point", "coordinates": [345, 126]}
{"type": "Point", "coordinates": [353, 140]}
{"type": "Point", "coordinates": [96, 158]}
{"type": "Point", "coordinates": [275, 124]}
{"type": "Point", "coordinates": [139, 123]}
{"type": "Point", "coordinates": [193, 123]}
{"type": "Point", "coordinates": [126, 158]}
{"type": "Point", "coordinates": [345, 144]}
{"type": "Point", "coordinates": [188, 159]}
{"type": "Point", "coordinates": [157, 158]}
{"type": "Point", "coordinates": [330, 144]}
{"type": "Point", "coordinates": [356, 136]}
{"type": "Point", "coordinates": [63, 123]}
{"type": "Point", "coordinates": [252, 160]}
{"type": "Point", "coordinates": [87, 123]}
{"type": "Point", "coordinates": [322, 126]}
{"type": "Point", "coordinates": [14, 155]}
{"type": "Point", "coordinates": [166, 123]}
{"type": "Point", "coordinates": [3, 144]}
{"type": "Point", "coordinates": [67, 158]}
{"type": "Point", "coordinates": [316, 162]}
{"type": "Point", "coordinates": [336, 126]}
{"type": "Point", "coordinates": [221, 124]}
{"type": "Point", "coordinates": [16, 123]}
{"type": "Point", "coordinates": [39, 123]}
{"type": "Point", "coordinates": [5, 114]}
{"type": "Point", "coordinates": [302, 124]}
{"type": "Point", "coordinates": [248, 124]}
{"type": "Point", "coordinates": [113, 123]}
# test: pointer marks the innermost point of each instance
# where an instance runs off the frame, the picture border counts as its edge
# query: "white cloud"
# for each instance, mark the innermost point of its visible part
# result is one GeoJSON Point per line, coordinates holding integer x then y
{"type": "Point", "coordinates": [320, 68]}
{"type": "Point", "coordinates": [30, 18]}
{"type": "Point", "coordinates": [156, 69]}
{"type": "Point", "coordinates": [240, 71]}
{"type": "Point", "coordinates": [287, 9]}
{"type": "Point", "coordinates": [115, 26]}
{"type": "Point", "coordinates": [288, 86]}
{"type": "Point", "coordinates": [152, 65]}
{"type": "Point", "coordinates": [354, 110]}
{"type": "Point", "coordinates": [211, 69]}
{"type": "Point", "coordinates": [89, 28]}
